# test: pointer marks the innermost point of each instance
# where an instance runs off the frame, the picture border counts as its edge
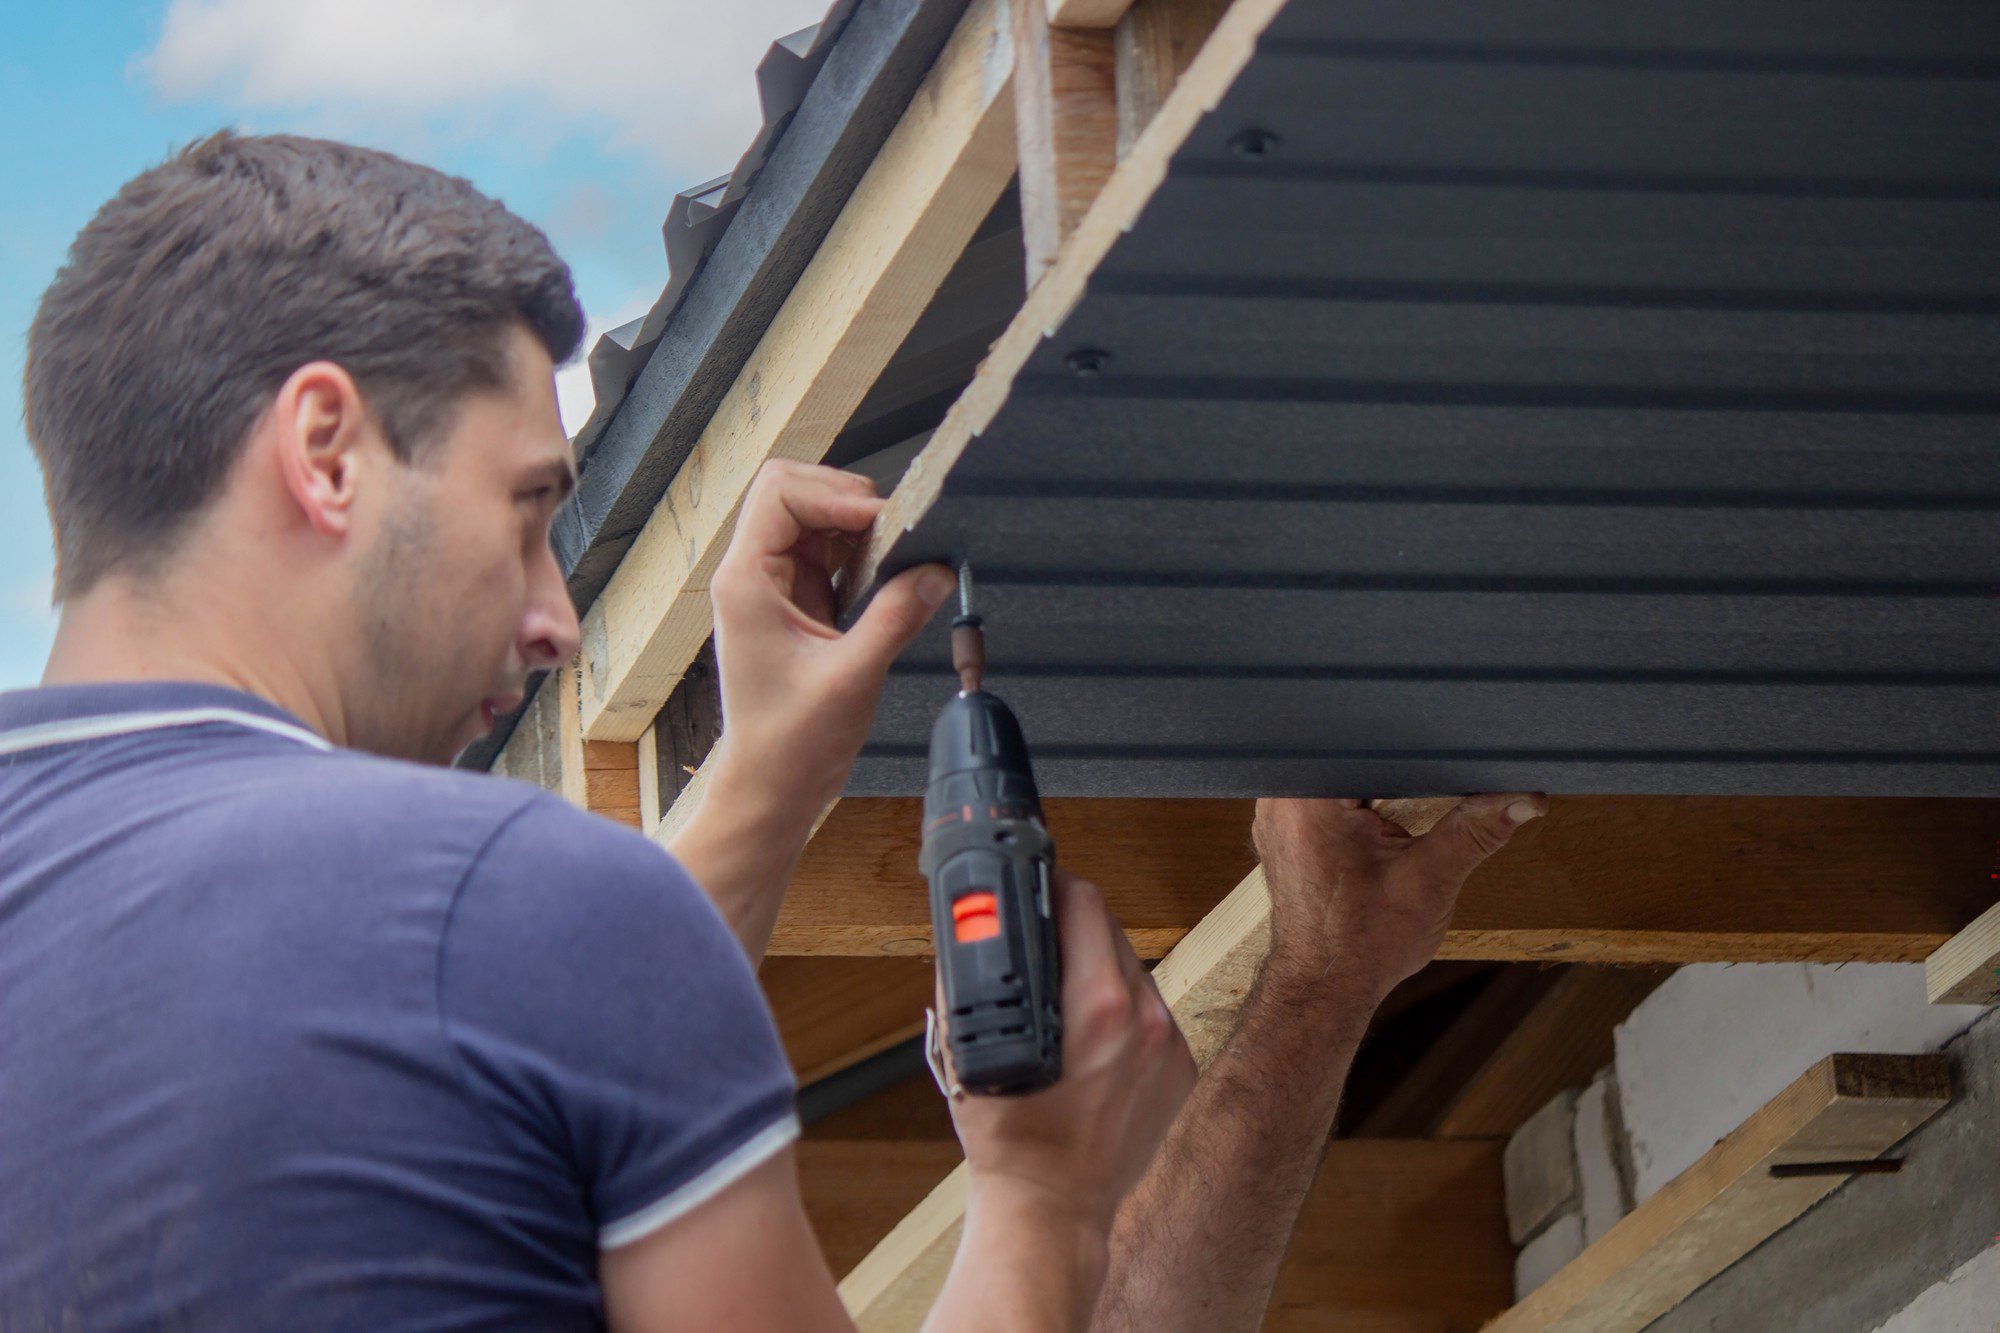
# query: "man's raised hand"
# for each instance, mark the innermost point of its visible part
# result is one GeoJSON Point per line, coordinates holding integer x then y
{"type": "Point", "coordinates": [798, 694]}
{"type": "Point", "coordinates": [1356, 899]}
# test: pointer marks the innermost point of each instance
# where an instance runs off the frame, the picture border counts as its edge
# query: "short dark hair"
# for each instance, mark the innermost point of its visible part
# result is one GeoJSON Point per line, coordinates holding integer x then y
{"type": "Point", "coordinates": [206, 281]}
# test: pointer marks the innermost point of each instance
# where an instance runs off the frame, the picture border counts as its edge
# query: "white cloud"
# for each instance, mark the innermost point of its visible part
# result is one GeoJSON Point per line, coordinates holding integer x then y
{"type": "Point", "coordinates": [672, 79]}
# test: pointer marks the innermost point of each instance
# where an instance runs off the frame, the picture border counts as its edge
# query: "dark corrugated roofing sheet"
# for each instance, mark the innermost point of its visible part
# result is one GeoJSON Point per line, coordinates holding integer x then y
{"type": "Point", "coordinates": [1561, 395]}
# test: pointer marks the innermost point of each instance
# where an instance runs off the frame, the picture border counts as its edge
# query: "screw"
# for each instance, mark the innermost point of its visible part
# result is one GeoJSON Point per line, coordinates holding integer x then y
{"type": "Point", "coordinates": [1254, 143]}
{"type": "Point", "coordinates": [1085, 362]}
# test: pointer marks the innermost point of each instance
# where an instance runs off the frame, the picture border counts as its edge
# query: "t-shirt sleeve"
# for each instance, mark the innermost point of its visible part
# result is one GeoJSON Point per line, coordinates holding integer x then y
{"type": "Point", "coordinates": [600, 1010]}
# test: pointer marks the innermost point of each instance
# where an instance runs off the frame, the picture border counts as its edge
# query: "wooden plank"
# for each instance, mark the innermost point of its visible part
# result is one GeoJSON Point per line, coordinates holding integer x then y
{"type": "Point", "coordinates": [855, 1192]}
{"type": "Point", "coordinates": [1152, 46]}
{"type": "Point", "coordinates": [912, 213]}
{"type": "Point", "coordinates": [832, 1012]}
{"type": "Point", "coordinates": [1966, 968]}
{"type": "Point", "coordinates": [1086, 13]}
{"type": "Point", "coordinates": [1643, 880]}
{"type": "Point", "coordinates": [1398, 1237]}
{"type": "Point", "coordinates": [1124, 193]}
{"type": "Point", "coordinates": [650, 804]}
{"type": "Point", "coordinates": [1846, 1108]}
{"type": "Point", "coordinates": [1563, 1040]}
{"type": "Point", "coordinates": [1162, 863]}
{"type": "Point", "coordinates": [533, 752]}
{"type": "Point", "coordinates": [611, 780]}
{"type": "Point", "coordinates": [1065, 123]}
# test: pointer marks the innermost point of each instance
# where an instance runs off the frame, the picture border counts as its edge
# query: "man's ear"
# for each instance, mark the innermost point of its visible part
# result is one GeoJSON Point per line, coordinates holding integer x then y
{"type": "Point", "coordinates": [321, 428]}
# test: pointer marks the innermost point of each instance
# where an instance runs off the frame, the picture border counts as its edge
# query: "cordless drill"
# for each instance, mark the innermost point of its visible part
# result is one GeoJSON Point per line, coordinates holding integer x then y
{"type": "Point", "coordinates": [988, 858]}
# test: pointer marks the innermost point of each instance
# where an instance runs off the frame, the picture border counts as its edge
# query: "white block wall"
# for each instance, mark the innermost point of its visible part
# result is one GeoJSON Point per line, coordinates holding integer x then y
{"type": "Point", "coordinates": [1717, 1041]}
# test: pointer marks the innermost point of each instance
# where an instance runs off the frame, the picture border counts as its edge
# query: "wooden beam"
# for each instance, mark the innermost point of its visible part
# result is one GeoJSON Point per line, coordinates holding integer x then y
{"type": "Point", "coordinates": [1162, 863]}
{"type": "Point", "coordinates": [1086, 13]}
{"type": "Point", "coordinates": [1115, 207]}
{"type": "Point", "coordinates": [534, 751]}
{"type": "Point", "coordinates": [1398, 1237]}
{"type": "Point", "coordinates": [1648, 880]}
{"type": "Point", "coordinates": [1560, 1043]}
{"type": "Point", "coordinates": [1966, 968]}
{"type": "Point", "coordinates": [935, 178]}
{"type": "Point", "coordinates": [611, 780]}
{"type": "Point", "coordinates": [855, 1191]}
{"type": "Point", "coordinates": [1065, 122]}
{"type": "Point", "coordinates": [1846, 1108]}
{"type": "Point", "coordinates": [833, 1012]}
{"type": "Point", "coordinates": [1152, 47]}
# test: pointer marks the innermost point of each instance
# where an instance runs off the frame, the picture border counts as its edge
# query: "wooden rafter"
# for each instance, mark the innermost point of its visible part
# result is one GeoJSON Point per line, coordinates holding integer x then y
{"type": "Point", "coordinates": [1065, 121]}
{"type": "Point", "coordinates": [934, 179]}
{"type": "Point", "coordinates": [1966, 968]}
{"type": "Point", "coordinates": [833, 1012]}
{"type": "Point", "coordinates": [1647, 880]}
{"type": "Point", "coordinates": [1846, 1108]}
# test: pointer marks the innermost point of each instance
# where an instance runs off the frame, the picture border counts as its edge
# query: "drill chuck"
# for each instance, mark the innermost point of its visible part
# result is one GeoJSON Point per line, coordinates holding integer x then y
{"type": "Point", "coordinates": [988, 858]}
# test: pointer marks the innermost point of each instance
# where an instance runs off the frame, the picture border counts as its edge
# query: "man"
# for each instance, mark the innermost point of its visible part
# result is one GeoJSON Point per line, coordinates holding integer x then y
{"type": "Point", "coordinates": [300, 1032]}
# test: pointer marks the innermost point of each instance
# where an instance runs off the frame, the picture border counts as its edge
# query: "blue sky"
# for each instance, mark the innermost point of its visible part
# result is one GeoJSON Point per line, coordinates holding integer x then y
{"type": "Point", "coordinates": [585, 117]}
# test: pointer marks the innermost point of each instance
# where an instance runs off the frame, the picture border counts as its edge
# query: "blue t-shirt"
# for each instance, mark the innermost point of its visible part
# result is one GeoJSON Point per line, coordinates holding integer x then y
{"type": "Point", "coordinates": [299, 1038]}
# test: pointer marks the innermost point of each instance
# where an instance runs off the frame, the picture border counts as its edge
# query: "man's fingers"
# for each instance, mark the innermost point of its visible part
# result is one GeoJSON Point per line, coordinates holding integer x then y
{"type": "Point", "coordinates": [1473, 830]}
{"type": "Point", "coordinates": [787, 502]}
{"type": "Point", "coordinates": [898, 611]}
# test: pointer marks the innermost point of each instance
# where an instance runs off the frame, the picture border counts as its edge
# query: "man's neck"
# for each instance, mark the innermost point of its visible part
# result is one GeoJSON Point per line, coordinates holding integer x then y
{"type": "Point", "coordinates": [123, 630]}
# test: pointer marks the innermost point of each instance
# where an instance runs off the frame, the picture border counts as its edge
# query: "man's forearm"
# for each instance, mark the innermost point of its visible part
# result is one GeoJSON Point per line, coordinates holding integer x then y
{"type": "Point", "coordinates": [1022, 1263]}
{"type": "Point", "coordinates": [742, 845]}
{"type": "Point", "coordinates": [1197, 1245]}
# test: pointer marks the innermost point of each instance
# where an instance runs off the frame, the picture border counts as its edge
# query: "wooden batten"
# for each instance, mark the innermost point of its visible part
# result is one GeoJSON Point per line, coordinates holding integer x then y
{"type": "Point", "coordinates": [1623, 880]}
{"type": "Point", "coordinates": [1846, 1108]}
{"type": "Point", "coordinates": [1966, 968]}
{"type": "Point", "coordinates": [1065, 125]}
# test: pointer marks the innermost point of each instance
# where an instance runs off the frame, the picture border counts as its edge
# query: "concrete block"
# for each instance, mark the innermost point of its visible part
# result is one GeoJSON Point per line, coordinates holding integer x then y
{"type": "Point", "coordinates": [1603, 1175]}
{"type": "Point", "coordinates": [1544, 1256]}
{"type": "Point", "coordinates": [1719, 1040]}
{"type": "Point", "coordinates": [1540, 1168]}
{"type": "Point", "coordinates": [1966, 1302]}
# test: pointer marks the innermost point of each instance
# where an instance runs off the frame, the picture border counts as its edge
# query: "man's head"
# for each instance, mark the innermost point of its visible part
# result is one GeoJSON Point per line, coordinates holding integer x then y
{"type": "Point", "coordinates": [317, 379]}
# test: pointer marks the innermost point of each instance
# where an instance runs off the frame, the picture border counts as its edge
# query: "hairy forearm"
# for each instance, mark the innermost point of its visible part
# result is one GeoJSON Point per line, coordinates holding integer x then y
{"type": "Point", "coordinates": [1022, 1264]}
{"type": "Point", "coordinates": [741, 845]}
{"type": "Point", "coordinates": [1197, 1245]}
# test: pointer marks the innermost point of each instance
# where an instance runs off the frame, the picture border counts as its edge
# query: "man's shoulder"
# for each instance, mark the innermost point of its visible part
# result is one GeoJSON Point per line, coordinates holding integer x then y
{"type": "Point", "coordinates": [386, 810]}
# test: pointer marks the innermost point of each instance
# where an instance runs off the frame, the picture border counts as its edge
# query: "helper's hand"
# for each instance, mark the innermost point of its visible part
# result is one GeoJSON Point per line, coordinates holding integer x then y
{"type": "Point", "coordinates": [1071, 1152]}
{"type": "Point", "coordinates": [1355, 899]}
{"type": "Point", "coordinates": [798, 695]}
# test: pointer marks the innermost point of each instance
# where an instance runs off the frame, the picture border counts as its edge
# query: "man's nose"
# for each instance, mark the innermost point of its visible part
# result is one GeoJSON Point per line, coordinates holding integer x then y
{"type": "Point", "coordinates": [550, 630]}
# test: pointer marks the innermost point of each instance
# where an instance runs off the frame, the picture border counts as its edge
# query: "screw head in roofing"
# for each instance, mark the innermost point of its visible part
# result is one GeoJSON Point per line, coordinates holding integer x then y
{"type": "Point", "coordinates": [1253, 143]}
{"type": "Point", "coordinates": [1085, 362]}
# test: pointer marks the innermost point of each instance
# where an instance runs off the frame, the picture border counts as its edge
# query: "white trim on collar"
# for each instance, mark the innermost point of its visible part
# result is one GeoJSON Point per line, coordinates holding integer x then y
{"type": "Point", "coordinates": [122, 724]}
